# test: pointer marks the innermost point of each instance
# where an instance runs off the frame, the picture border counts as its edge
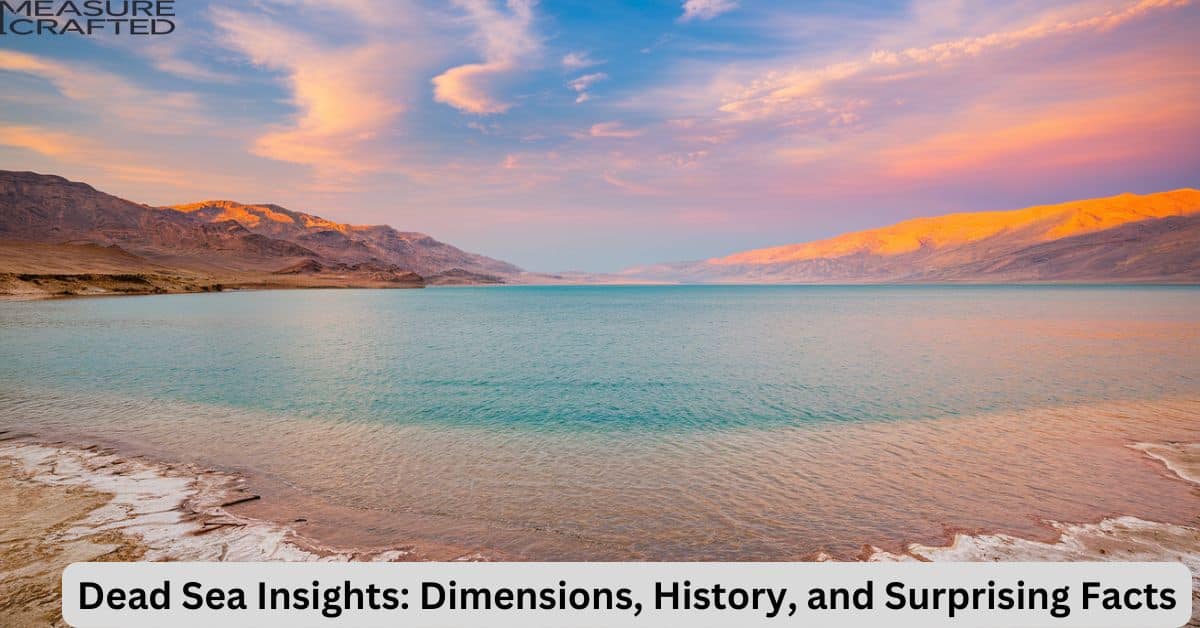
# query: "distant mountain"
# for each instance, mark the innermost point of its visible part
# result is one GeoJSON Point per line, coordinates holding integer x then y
{"type": "Point", "coordinates": [1155, 237]}
{"type": "Point", "coordinates": [349, 243]}
{"type": "Point", "coordinates": [213, 244]}
{"type": "Point", "coordinates": [221, 236]}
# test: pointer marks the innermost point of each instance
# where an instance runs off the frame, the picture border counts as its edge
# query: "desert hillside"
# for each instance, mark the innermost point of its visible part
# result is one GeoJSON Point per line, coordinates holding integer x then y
{"type": "Point", "coordinates": [66, 237]}
{"type": "Point", "coordinates": [1153, 237]}
{"type": "Point", "coordinates": [349, 243]}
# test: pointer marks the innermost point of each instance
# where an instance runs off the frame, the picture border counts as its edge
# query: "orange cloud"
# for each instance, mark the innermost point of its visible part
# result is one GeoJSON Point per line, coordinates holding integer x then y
{"type": "Point", "coordinates": [467, 87]}
{"type": "Point", "coordinates": [505, 38]}
{"type": "Point", "coordinates": [42, 141]}
{"type": "Point", "coordinates": [80, 151]}
{"type": "Point", "coordinates": [342, 100]}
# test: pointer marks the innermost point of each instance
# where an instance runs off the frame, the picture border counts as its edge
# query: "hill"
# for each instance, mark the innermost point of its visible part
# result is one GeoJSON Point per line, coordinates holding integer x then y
{"type": "Point", "coordinates": [348, 243]}
{"type": "Point", "coordinates": [1141, 238]}
{"type": "Point", "coordinates": [203, 245]}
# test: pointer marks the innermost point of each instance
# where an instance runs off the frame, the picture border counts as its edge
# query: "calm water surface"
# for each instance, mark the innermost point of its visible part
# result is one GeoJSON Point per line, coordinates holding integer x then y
{"type": "Point", "coordinates": [636, 422]}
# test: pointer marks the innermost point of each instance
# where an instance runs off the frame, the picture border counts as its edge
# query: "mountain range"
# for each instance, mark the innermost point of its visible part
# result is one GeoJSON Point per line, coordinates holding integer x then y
{"type": "Point", "coordinates": [64, 237]}
{"type": "Point", "coordinates": [362, 244]}
{"type": "Point", "coordinates": [1135, 238]}
{"type": "Point", "coordinates": [214, 243]}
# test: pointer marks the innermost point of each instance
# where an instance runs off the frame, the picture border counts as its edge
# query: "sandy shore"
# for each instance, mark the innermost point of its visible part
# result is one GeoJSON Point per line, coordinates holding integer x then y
{"type": "Point", "coordinates": [72, 505]}
{"type": "Point", "coordinates": [66, 505]}
{"type": "Point", "coordinates": [35, 545]}
{"type": "Point", "coordinates": [38, 270]}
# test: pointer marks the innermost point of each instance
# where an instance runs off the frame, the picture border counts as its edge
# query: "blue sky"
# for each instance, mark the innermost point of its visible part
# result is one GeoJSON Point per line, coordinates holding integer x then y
{"type": "Point", "coordinates": [599, 135]}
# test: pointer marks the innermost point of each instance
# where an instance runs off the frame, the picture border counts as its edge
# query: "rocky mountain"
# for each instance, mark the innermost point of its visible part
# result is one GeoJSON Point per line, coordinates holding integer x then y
{"type": "Point", "coordinates": [349, 243]}
{"type": "Point", "coordinates": [43, 208]}
{"type": "Point", "coordinates": [224, 236]}
{"type": "Point", "coordinates": [1153, 237]}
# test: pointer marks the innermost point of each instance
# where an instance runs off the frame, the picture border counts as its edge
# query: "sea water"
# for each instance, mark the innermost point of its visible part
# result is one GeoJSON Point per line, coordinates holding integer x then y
{"type": "Point", "coordinates": [672, 422]}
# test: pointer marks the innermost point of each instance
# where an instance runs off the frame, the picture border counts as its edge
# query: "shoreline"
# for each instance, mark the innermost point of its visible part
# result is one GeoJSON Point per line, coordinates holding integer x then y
{"type": "Point", "coordinates": [65, 286]}
{"type": "Point", "coordinates": [90, 503]}
{"type": "Point", "coordinates": [53, 287]}
{"type": "Point", "coordinates": [172, 512]}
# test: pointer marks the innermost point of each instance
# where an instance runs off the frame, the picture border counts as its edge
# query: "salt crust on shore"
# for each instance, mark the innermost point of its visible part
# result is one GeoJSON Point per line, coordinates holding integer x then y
{"type": "Point", "coordinates": [1183, 459]}
{"type": "Point", "coordinates": [1114, 539]}
{"type": "Point", "coordinates": [175, 513]}
{"type": "Point", "coordinates": [1126, 539]}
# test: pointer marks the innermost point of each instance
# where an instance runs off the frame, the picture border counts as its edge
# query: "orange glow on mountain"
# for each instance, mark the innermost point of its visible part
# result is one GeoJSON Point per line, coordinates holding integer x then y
{"type": "Point", "coordinates": [1041, 223]}
{"type": "Point", "coordinates": [252, 216]}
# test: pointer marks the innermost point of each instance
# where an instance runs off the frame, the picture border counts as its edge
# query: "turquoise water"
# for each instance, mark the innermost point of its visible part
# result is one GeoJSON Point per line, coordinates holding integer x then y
{"type": "Point", "coordinates": [518, 409]}
{"type": "Point", "coordinates": [571, 358]}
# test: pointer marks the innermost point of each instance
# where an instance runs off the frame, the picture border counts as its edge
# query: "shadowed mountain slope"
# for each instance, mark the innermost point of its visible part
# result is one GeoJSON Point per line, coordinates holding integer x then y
{"type": "Point", "coordinates": [224, 236]}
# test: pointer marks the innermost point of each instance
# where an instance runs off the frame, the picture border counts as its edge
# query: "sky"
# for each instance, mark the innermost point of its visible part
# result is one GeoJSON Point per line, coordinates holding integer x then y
{"type": "Point", "coordinates": [583, 135]}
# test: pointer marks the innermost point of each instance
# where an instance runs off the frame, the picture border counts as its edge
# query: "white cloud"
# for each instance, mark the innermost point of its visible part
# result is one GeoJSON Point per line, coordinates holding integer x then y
{"type": "Point", "coordinates": [579, 60]}
{"type": "Point", "coordinates": [786, 92]}
{"type": "Point", "coordinates": [705, 9]}
{"type": "Point", "coordinates": [109, 95]}
{"type": "Point", "coordinates": [583, 83]}
{"type": "Point", "coordinates": [505, 37]}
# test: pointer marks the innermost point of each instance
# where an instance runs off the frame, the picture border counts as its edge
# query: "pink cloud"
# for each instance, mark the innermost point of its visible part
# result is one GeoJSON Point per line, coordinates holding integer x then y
{"type": "Point", "coordinates": [343, 97]}
{"type": "Point", "coordinates": [110, 95]}
{"type": "Point", "coordinates": [467, 87]}
{"type": "Point", "coordinates": [629, 186]}
{"type": "Point", "coordinates": [613, 129]}
{"type": "Point", "coordinates": [1065, 136]}
{"type": "Point", "coordinates": [784, 92]}
{"type": "Point", "coordinates": [505, 37]}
